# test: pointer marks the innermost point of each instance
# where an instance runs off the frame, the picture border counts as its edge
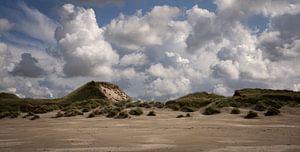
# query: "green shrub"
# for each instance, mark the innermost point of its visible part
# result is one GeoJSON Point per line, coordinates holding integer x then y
{"type": "Point", "coordinates": [188, 115]}
{"type": "Point", "coordinates": [174, 107]}
{"type": "Point", "coordinates": [145, 105]}
{"type": "Point", "coordinates": [159, 105]}
{"type": "Point", "coordinates": [91, 115]}
{"type": "Point", "coordinates": [29, 114]}
{"type": "Point", "coordinates": [188, 109]}
{"type": "Point", "coordinates": [136, 111]}
{"type": "Point", "coordinates": [44, 108]}
{"type": "Point", "coordinates": [72, 112]}
{"type": "Point", "coordinates": [94, 113]}
{"type": "Point", "coordinates": [130, 104]}
{"type": "Point", "coordinates": [251, 114]}
{"type": "Point", "coordinates": [211, 110]}
{"type": "Point", "coordinates": [151, 113]}
{"type": "Point", "coordinates": [179, 116]}
{"type": "Point", "coordinates": [112, 113]}
{"type": "Point", "coordinates": [122, 115]}
{"type": "Point", "coordinates": [260, 106]}
{"type": "Point", "coordinates": [4, 114]}
{"type": "Point", "coordinates": [272, 111]}
{"type": "Point", "coordinates": [86, 109]}
{"type": "Point", "coordinates": [59, 114]}
{"type": "Point", "coordinates": [235, 111]}
{"type": "Point", "coordinates": [35, 117]}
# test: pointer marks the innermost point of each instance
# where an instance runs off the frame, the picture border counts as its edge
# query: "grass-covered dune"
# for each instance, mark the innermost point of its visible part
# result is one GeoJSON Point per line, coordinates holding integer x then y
{"type": "Point", "coordinates": [266, 97]}
{"type": "Point", "coordinates": [92, 98]}
{"type": "Point", "coordinates": [258, 99]}
{"type": "Point", "coordinates": [193, 101]}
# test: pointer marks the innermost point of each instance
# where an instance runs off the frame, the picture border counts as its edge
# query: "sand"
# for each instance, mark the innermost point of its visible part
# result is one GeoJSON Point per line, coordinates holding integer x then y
{"type": "Point", "coordinates": [216, 133]}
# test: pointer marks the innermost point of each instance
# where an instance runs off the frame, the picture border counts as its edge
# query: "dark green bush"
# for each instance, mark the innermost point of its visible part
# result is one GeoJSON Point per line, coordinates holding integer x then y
{"type": "Point", "coordinates": [159, 105]}
{"type": "Point", "coordinates": [251, 114]}
{"type": "Point", "coordinates": [136, 111]}
{"type": "Point", "coordinates": [151, 113]}
{"type": "Point", "coordinates": [174, 107]}
{"type": "Point", "coordinates": [29, 114]}
{"type": "Point", "coordinates": [188, 109]}
{"type": "Point", "coordinates": [72, 112]}
{"type": "Point", "coordinates": [59, 114]}
{"type": "Point", "coordinates": [211, 110]}
{"type": "Point", "coordinates": [94, 113]}
{"type": "Point", "coordinates": [260, 106]}
{"type": "Point", "coordinates": [179, 116]}
{"type": "Point", "coordinates": [4, 114]}
{"type": "Point", "coordinates": [272, 111]}
{"type": "Point", "coordinates": [122, 115]}
{"type": "Point", "coordinates": [35, 117]}
{"type": "Point", "coordinates": [14, 114]}
{"type": "Point", "coordinates": [44, 108]}
{"type": "Point", "coordinates": [235, 111]}
{"type": "Point", "coordinates": [91, 115]}
{"type": "Point", "coordinates": [112, 113]}
{"type": "Point", "coordinates": [86, 109]}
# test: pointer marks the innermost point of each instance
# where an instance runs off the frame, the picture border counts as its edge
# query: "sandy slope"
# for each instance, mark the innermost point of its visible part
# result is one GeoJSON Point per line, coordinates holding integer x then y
{"type": "Point", "coordinates": [217, 133]}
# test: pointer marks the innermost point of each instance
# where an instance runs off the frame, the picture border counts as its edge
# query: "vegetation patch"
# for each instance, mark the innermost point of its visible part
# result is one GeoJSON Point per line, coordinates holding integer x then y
{"type": "Point", "coordinates": [193, 101]}
{"type": "Point", "coordinates": [122, 115]}
{"type": "Point", "coordinates": [29, 114]}
{"type": "Point", "coordinates": [34, 117]}
{"type": "Point", "coordinates": [260, 106]}
{"type": "Point", "coordinates": [235, 111]}
{"type": "Point", "coordinates": [112, 113]}
{"type": "Point", "coordinates": [180, 116]}
{"type": "Point", "coordinates": [272, 111]}
{"type": "Point", "coordinates": [188, 109]}
{"type": "Point", "coordinates": [151, 113]}
{"type": "Point", "coordinates": [136, 112]}
{"type": "Point", "coordinates": [94, 113]}
{"type": "Point", "coordinates": [211, 110]}
{"type": "Point", "coordinates": [251, 114]}
{"type": "Point", "coordinates": [9, 114]}
{"type": "Point", "coordinates": [59, 114]}
{"type": "Point", "coordinates": [72, 113]}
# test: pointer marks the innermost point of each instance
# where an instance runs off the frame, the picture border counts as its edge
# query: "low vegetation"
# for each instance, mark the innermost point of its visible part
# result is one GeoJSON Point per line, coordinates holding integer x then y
{"type": "Point", "coordinates": [88, 99]}
{"type": "Point", "coordinates": [122, 115]}
{"type": "Point", "coordinates": [136, 112]}
{"type": "Point", "coordinates": [94, 113]}
{"type": "Point", "coordinates": [8, 114]}
{"type": "Point", "coordinates": [151, 113]}
{"type": "Point", "coordinates": [272, 111]}
{"type": "Point", "coordinates": [72, 113]}
{"type": "Point", "coordinates": [211, 110]}
{"type": "Point", "coordinates": [251, 114]}
{"type": "Point", "coordinates": [59, 114]}
{"type": "Point", "coordinates": [192, 102]}
{"type": "Point", "coordinates": [34, 117]}
{"type": "Point", "coordinates": [182, 116]}
{"type": "Point", "coordinates": [235, 111]}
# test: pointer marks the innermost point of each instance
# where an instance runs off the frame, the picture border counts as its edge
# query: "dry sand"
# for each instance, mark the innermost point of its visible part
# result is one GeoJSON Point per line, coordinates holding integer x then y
{"type": "Point", "coordinates": [216, 133]}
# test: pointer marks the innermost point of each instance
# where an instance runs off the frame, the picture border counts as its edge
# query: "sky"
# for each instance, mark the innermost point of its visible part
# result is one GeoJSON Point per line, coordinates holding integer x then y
{"type": "Point", "coordinates": [158, 49]}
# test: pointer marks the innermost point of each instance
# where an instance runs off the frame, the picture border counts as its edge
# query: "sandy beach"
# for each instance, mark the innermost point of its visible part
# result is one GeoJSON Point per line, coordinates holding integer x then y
{"type": "Point", "coordinates": [164, 132]}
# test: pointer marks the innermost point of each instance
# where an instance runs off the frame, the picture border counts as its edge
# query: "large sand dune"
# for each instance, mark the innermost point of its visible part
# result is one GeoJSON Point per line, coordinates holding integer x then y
{"type": "Point", "coordinates": [215, 133]}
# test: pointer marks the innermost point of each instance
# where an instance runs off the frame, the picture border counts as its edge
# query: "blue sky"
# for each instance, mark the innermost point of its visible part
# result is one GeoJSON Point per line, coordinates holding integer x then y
{"type": "Point", "coordinates": [156, 50]}
{"type": "Point", "coordinates": [107, 11]}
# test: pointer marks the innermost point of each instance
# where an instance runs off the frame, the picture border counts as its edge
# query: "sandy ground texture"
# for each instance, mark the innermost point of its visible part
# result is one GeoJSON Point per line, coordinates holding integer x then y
{"type": "Point", "coordinates": [216, 133]}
